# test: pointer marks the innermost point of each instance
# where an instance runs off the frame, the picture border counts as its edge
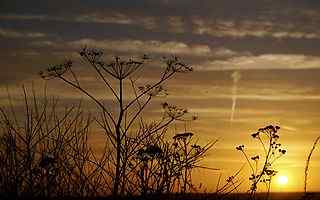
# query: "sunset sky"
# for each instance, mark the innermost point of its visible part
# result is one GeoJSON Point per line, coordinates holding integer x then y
{"type": "Point", "coordinates": [263, 56]}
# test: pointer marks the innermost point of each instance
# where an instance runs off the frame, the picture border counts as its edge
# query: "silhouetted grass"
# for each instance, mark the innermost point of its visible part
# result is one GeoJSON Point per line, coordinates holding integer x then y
{"type": "Point", "coordinates": [306, 171]}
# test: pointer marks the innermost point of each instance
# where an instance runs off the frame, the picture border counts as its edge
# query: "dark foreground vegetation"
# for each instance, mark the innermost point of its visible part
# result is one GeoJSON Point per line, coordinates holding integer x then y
{"type": "Point", "coordinates": [45, 150]}
{"type": "Point", "coordinates": [195, 196]}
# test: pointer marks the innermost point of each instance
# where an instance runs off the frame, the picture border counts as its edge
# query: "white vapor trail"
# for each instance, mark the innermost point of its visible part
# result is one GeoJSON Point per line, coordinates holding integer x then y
{"type": "Point", "coordinates": [235, 77]}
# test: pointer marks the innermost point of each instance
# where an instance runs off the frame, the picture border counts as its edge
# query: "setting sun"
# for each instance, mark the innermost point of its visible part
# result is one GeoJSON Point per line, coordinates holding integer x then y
{"type": "Point", "coordinates": [282, 180]}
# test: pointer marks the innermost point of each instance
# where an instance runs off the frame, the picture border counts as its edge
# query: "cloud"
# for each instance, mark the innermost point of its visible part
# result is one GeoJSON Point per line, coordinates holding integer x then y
{"type": "Point", "coordinates": [149, 46]}
{"type": "Point", "coordinates": [255, 96]}
{"type": "Point", "coordinates": [176, 24]}
{"type": "Point", "coordinates": [251, 28]}
{"type": "Point", "coordinates": [226, 110]}
{"type": "Point", "coordinates": [280, 97]}
{"type": "Point", "coordinates": [146, 46]}
{"type": "Point", "coordinates": [45, 43]}
{"type": "Point", "coordinates": [264, 26]}
{"type": "Point", "coordinates": [159, 47]}
{"type": "Point", "coordinates": [247, 91]}
{"type": "Point", "coordinates": [264, 61]}
{"type": "Point", "coordinates": [223, 52]}
{"type": "Point", "coordinates": [8, 33]}
{"type": "Point", "coordinates": [147, 22]}
{"type": "Point", "coordinates": [289, 128]}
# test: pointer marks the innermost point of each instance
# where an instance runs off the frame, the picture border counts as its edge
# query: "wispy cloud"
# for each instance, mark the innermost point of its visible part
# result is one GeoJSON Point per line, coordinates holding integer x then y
{"type": "Point", "coordinates": [176, 24]}
{"type": "Point", "coordinates": [147, 22]}
{"type": "Point", "coordinates": [226, 110]}
{"type": "Point", "coordinates": [261, 97]}
{"type": "Point", "coordinates": [248, 91]}
{"type": "Point", "coordinates": [147, 46]}
{"type": "Point", "coordinates": [251, 28]}
{"type": "Point", "coordinates": [264, 61]}
{"type": "Point", "coordinates": [200, 25]}
{"type": "Point", "coordinates": [9, 33]}
{"type": "Point", "coordinates": [150, 46]}
{"type": "Point", "coordinates": [289, 128]}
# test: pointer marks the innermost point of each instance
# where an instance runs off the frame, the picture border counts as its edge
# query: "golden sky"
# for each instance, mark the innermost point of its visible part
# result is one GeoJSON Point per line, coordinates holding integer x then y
{"type": "Point", "coordinates": [256, 63]}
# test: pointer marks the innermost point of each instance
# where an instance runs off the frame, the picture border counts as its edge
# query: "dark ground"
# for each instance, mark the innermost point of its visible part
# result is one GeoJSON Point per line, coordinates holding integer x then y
{"type": "Point", "coordinates": [201, 196]}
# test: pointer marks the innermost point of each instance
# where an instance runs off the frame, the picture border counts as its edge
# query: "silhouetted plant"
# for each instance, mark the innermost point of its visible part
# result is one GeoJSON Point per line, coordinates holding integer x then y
{"type": "Point", "coordinates": [268, 137]}
{"type": "Point", "coordinates": [232, 183]}
{"type": "Point", "coordinates": [187, 155]}
{"type": "Point", "coordinates": [43, 151]}
{"type": "Point", "coordinates": [125, 128]}
{"type": "Point", "coordinates": [306, 170]}
{"type": "Point", "coordinates": [167, 166]}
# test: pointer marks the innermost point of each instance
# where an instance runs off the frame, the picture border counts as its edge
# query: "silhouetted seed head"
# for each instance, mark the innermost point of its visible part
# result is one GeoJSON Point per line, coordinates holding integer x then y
{"type": "Point", "coordinates": [56, 70]}
{"type": "Point", "coordinates": [253, 187]}
{"type": "Point", "coordinates": [119, 69]}
{"type": "Point", "coordinates": [180, 136]}
{"type": "Point", "coordinates": [269, 127]}
{"type": "Point", "coordinates": [91, 54]}
{"type": "Point", "coordinates": [175, 144]}
{"type": "Point", "coordinates": [240, 147]}
{"type": "Point", "coordinates": [46, 161]}
{"type": "Point", "coordinates": [195, 146]}
{"type": "Point", "coordinates": [149, 152]}
{"type": "Point", "coordinates": [153, 91]}
{"type": "Point", "coordinates": [154, 150]}
{"type": "Point", "coordinates": [255, 135]}
{"type": "Point", "coordinates": [165, 105]}
{"type": "Point", "coordinates": [175, 65]}
{"type": "Point", "coordinates": [145, 57]}
{"type": "Point", "coordinates": [252, 177]}
{"type": "Point", "coordinates": [230, 179]}
{"type": "Point", "coordinates": [194, 117]}
{"type": "Point", "coordinates": [271, 172]}
{"type": "Point", "coordinates": [36, 171]}
{"type": "Point", "coordinates": [255, 158]}
{"type": "Point", "coordinates": [123, 69]}
{"type": "Point", "coordinates": [272, 129]}
{"type": "Point", "coordinates": [141, 155]}
{"type": "Point", "coordinates": [173, 111]}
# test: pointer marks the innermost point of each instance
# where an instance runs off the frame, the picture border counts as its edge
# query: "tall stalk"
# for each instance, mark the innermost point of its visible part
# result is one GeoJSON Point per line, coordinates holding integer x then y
{"type": "Point", "coordinates": [306, 170]}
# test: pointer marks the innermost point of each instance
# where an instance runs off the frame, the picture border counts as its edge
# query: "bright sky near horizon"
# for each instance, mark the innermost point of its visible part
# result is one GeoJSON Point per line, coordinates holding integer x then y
{"type": "Point", "coordinates": [256, 63]}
